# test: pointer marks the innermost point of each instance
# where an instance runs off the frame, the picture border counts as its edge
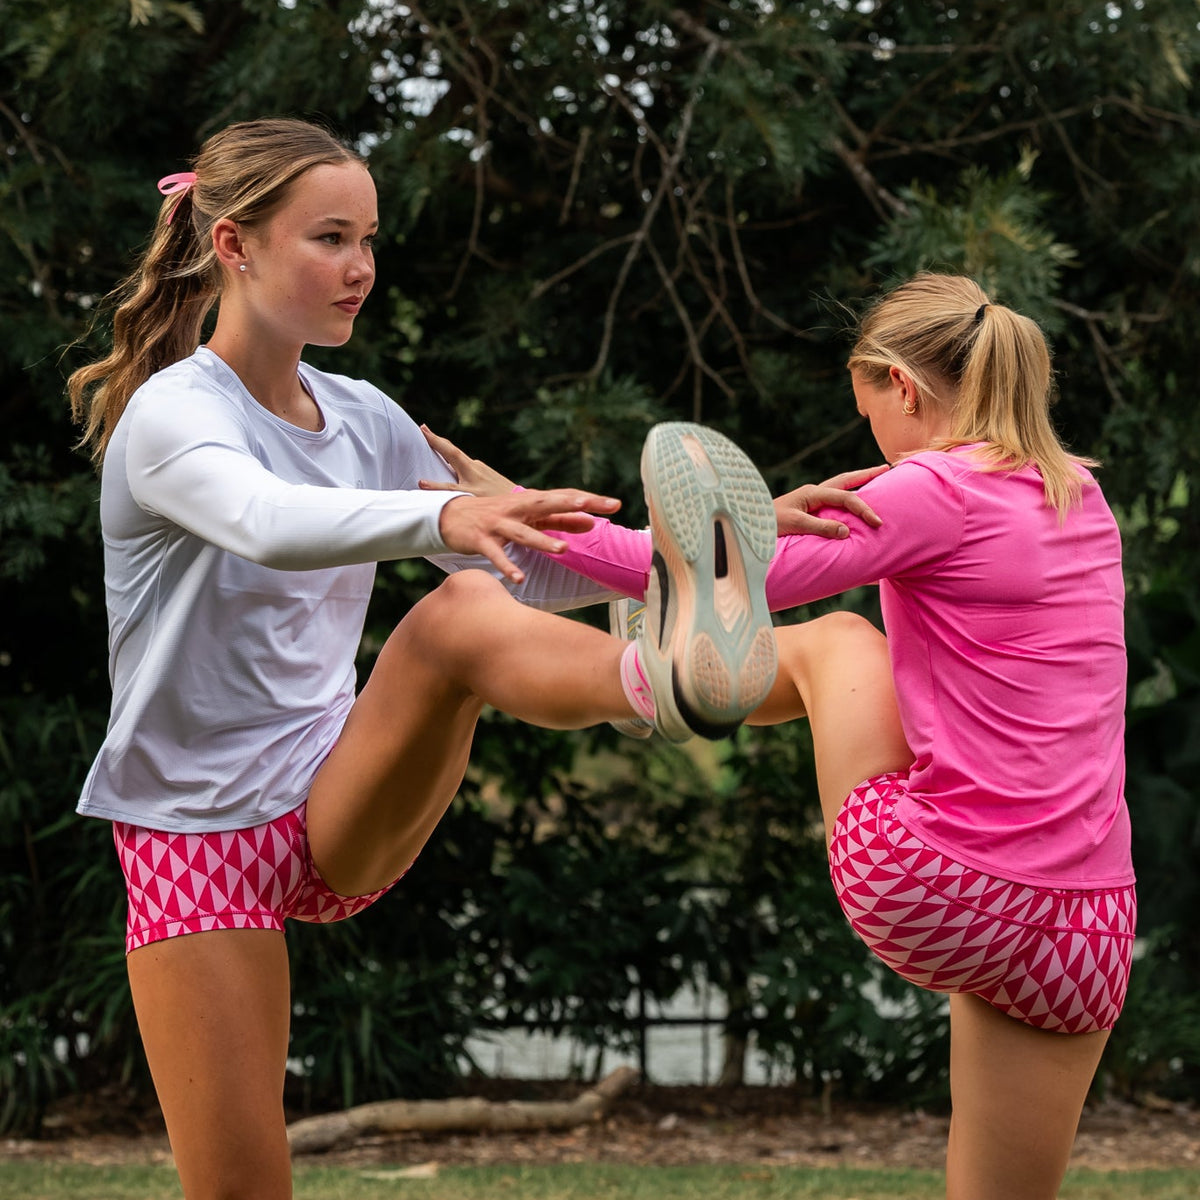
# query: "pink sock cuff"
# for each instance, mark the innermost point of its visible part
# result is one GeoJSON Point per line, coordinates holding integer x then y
{"type": "Point", "coordinates": [635, 684]}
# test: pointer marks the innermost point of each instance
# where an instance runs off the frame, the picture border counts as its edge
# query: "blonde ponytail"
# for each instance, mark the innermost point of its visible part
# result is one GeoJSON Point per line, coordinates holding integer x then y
{"type": "Point", "coordinates": [242, 173]}
{"type": "Point", "coordinates": [985, 365]}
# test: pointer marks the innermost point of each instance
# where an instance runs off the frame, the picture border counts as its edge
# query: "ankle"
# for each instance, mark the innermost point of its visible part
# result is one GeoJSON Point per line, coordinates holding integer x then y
{"type": "Point", "coordinates": [635, 684]}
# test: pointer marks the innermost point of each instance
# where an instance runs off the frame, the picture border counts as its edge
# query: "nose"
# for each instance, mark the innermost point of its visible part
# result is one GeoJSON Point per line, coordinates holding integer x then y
{"type": "Point", "coordinates": [361, 268]}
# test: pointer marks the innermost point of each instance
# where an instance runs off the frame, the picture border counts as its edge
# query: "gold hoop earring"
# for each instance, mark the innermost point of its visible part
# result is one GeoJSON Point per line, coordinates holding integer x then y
{"type": "Point", "coordinates": [908, 408]}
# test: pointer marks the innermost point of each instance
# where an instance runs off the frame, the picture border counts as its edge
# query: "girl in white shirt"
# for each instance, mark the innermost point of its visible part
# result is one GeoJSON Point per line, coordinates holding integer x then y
{"type": "Point", "coordinates": [245, 500]}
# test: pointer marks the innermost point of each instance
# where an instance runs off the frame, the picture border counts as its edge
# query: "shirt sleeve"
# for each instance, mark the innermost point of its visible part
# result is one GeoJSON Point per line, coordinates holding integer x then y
{"type": "Point", "coordinates": [614, 556]}
{"type": "Point", "coordinates": [922, 511]}
{"type": "Point", "coordinates": [549, 584]}
{"type": "Point", "coordinates": [921, 507]}
{"type": "Point", "coordinates": [197, 471]}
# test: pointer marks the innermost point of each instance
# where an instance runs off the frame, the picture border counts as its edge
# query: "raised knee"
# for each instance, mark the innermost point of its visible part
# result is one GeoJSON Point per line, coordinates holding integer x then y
{"type": "Point", "coordinates": [465, 589]}
{"type": "Point", "coordinates": [842, 637]}
{"type": "Point", "coordinates": [456, 608]}
{"type": "Point", "coordinates": [843, 624]}
{"type": "Point", "coordinates": [470, 584]}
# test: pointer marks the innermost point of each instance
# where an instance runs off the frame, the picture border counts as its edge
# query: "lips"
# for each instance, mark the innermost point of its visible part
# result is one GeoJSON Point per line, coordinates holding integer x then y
{"type": "Point", "coordinates": [350, 305]}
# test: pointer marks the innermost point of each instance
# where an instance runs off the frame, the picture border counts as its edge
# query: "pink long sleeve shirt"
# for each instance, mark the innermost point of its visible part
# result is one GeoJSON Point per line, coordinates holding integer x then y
{"type": "Point", "coordinates": [1006, 635]}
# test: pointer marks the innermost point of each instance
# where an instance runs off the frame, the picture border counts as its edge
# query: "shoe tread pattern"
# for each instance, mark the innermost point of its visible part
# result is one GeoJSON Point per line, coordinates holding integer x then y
{"type": "Point", "coordinates": [737, 490]}
{"type": "Point", "coordinates": [700, 477]}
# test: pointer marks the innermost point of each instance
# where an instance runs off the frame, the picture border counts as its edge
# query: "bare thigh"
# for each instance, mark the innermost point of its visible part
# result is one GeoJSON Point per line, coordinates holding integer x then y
{"type": "Point", "coordinates": [1017, 1093]}
{"type": "Point", "coordinates": [405, 746]}
{"type": "Point", "coordinates": [836, 671]}
{"type": "Point", "coordinates": [213, 1010]}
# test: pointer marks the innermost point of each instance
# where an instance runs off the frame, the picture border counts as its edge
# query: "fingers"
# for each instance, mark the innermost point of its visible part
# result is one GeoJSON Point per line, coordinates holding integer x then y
{"type": "Point", "coordinates": [848, 480]}
{"type": "Point", "coordinates": [827, 495]}
{"type": "Point", "coordinates": [820, 526]}
{"type": "Point", "coordinates": [485, 525]}
{"type": "Point", "coordinates": [472, 474]}
{"type": "Point", "coordinates": [438, 485]}
{"type": "Point", "coordinates": [567, 500]}
{"type": "Point", "coordinates": [443, 446]}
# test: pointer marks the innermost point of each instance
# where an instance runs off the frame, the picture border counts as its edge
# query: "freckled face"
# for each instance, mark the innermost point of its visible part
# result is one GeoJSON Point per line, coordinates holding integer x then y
{"type": "Point", "coordinates": [312, 264]}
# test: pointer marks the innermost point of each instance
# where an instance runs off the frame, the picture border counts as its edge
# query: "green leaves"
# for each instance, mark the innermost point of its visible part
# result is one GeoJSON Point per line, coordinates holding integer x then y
{"type": "Point", "coordinates": [597, 216]}
{"type": "Point", "coordinates": [991, 228]}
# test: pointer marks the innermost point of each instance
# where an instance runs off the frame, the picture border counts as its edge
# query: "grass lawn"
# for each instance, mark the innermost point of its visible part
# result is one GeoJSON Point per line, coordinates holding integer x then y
{"type": "Point", "coordinates": [72, 1181]}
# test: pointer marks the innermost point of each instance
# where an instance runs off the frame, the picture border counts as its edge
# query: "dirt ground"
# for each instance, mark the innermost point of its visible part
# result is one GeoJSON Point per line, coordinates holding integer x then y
{"type": "Point", "coordinates": [661, 1125]}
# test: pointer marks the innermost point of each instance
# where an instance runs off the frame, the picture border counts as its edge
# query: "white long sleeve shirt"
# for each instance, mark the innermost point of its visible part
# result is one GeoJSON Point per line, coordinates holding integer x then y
{"type": "Point", "coordinates": [239, 556]}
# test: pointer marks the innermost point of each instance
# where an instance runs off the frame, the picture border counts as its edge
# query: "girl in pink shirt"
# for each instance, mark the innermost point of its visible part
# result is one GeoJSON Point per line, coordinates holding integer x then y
{"type": "Point", "coordinates": [987, 852]}
{"type": "Point", "coordinates": [970, 765]}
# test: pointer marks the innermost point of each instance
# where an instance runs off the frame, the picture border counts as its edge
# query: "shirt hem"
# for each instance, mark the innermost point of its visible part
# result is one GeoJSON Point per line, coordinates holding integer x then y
{"type": "Point", "coordinates": [1002, 871]}
{"type": "Point", "coordinates": [220, 824]}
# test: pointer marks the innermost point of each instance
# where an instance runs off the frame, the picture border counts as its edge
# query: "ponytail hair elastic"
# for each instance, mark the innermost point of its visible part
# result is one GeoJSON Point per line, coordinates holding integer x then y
{"type": "Point", "coordinates": [177, 185]}
{"type": "Point", "coordinates": [979, 312]}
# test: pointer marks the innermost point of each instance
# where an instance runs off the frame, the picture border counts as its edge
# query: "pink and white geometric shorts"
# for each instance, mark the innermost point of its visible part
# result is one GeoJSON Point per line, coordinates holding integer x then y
{"type": "Point", "coordinates": [1056, 959]}
{"type": "Point", "coordinates": [239, 879]}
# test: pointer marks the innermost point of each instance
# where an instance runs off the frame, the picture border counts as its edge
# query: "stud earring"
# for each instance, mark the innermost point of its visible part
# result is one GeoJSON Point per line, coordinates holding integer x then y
{"type": "Point", "coordinates": [242, 267]}
{"type": "Point", "coordinates": [908, 408]}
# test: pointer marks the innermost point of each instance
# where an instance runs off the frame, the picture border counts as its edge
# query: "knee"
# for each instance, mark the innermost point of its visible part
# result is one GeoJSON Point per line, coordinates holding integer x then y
{"type": "Point", "coordinates": [457, 611]}
{"type": "Point", "coordinates": [833, 632]}
{"type": "Point", "coordinates": [470, 587]}
{"type": "Point", "coordinates": [843, 625]}
{"type": "Point", "coordinates": [461, 593]}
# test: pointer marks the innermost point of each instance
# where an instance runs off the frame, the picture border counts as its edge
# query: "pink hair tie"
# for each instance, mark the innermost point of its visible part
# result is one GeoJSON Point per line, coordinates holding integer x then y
{"type": "Point", "coordinates": [177, 185]}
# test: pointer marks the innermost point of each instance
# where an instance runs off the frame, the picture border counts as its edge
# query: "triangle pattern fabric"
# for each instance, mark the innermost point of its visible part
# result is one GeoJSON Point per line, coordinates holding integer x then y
{"type": "Point", "coordinates": [1057, 959]}
{"type": "Point", "coordinates": [253, 878]}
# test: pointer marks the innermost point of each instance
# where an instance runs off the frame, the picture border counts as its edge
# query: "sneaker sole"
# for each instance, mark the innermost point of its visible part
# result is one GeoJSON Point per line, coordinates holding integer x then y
{"type": "Point", "coordinates": [714, 533]}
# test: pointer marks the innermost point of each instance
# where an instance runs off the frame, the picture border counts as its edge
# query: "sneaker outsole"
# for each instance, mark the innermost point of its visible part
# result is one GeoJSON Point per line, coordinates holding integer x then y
{"type": "Point", "coordinates": [709, 646]}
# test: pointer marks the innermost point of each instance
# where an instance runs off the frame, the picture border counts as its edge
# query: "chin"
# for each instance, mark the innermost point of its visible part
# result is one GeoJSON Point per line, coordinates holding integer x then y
{"type": "Point", "coordinates": [333, 339]}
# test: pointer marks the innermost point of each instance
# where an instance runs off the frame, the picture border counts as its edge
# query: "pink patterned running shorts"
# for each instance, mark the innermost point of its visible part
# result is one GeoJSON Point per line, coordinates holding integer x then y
{"type": "Point", "coordinates": [1056, 959]}
{"type": "Point", "coordinates": [238, 879]}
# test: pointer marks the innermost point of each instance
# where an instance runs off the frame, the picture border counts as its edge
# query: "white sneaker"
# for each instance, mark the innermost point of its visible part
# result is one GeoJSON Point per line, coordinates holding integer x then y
{"type": "Point", "coordinates": [707, 645]}
{"type": "Point", "coordinates": [625, 618]}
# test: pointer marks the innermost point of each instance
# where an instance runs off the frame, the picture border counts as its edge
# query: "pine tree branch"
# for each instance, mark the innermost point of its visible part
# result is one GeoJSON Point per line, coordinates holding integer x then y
{"type": "Point", "coordinates": [814, 447]}
{"type": "Point", "coordinates": [696, 355]}
{"type": "Point", "coordinates": [886, 205]}
{"type": "Point", "coordinates": [642, 236]}
{"type": "Point", "coordinates": [545, 285]}
{"type": "Point", "coordinates": [743, 273]}
{"type": "Point", "coordinates": [585, 137]}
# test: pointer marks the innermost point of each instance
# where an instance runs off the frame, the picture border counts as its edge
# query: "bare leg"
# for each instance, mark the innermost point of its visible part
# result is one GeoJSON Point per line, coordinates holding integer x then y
{"type": "Point", "coordinates": [213, 1012]}
{"type": "Point", "coordinates": [835, 670]}
{"type": "Point", "coordinates": [213, 1008]}
{"type": "Point", "coordinates": [404, 748]}
{"type": "Point", "coordinates": [1017, 1094]}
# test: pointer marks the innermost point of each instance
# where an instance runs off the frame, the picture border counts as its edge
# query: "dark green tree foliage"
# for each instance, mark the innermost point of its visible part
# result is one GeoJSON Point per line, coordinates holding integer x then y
{"type": "Point", "coordinates": [597, 215]}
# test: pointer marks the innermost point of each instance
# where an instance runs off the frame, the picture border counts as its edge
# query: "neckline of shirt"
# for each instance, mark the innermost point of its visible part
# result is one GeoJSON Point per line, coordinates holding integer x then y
{"type": "Point", "coordinates": [306, 375]}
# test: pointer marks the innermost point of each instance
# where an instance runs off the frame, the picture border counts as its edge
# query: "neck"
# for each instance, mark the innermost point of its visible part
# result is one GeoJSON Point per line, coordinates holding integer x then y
{"type": "Point", "coordinates": [270, 373]}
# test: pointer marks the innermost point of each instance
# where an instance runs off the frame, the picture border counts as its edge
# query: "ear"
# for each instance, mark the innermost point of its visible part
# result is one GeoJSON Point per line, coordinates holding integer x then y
{"type": "Point", "coordinates": [904, 386]}
{"type": "Point", "coordinates": [228, 245]}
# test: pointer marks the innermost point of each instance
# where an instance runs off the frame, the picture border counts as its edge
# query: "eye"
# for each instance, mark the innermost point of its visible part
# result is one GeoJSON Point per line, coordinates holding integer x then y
{"type": "Point", "coordinates": [334, 239]}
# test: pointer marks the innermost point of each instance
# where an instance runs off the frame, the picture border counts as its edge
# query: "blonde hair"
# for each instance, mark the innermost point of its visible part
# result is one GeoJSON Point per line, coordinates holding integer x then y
{"type": "Point", "coordinates": [244, 173]}
{"type": "Point", "coordinates": [985, 365]}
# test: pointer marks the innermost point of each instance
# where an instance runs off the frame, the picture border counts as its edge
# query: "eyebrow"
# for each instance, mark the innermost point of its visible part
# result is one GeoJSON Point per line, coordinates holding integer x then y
{"type": "Point", "coordinates": [342, 222]}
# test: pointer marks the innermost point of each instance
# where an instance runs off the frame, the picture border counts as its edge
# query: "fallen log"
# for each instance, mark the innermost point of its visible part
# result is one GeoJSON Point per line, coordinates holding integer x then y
{"type": "Point", "coordinates": [312, 1135]}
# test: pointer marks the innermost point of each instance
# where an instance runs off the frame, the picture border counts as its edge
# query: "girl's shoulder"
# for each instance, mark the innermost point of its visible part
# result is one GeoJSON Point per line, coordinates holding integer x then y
{"type": "Point", "coordinates": [195, 387]}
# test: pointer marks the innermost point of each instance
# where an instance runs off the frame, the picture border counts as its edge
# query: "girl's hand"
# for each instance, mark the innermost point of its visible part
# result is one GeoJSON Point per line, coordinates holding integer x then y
{"type": "Point", "coordinates": [486, 524]}
{"type": "Point", "coordinates": [793, 511]}
{"type": "Point", "coordinates": [473, 475]}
